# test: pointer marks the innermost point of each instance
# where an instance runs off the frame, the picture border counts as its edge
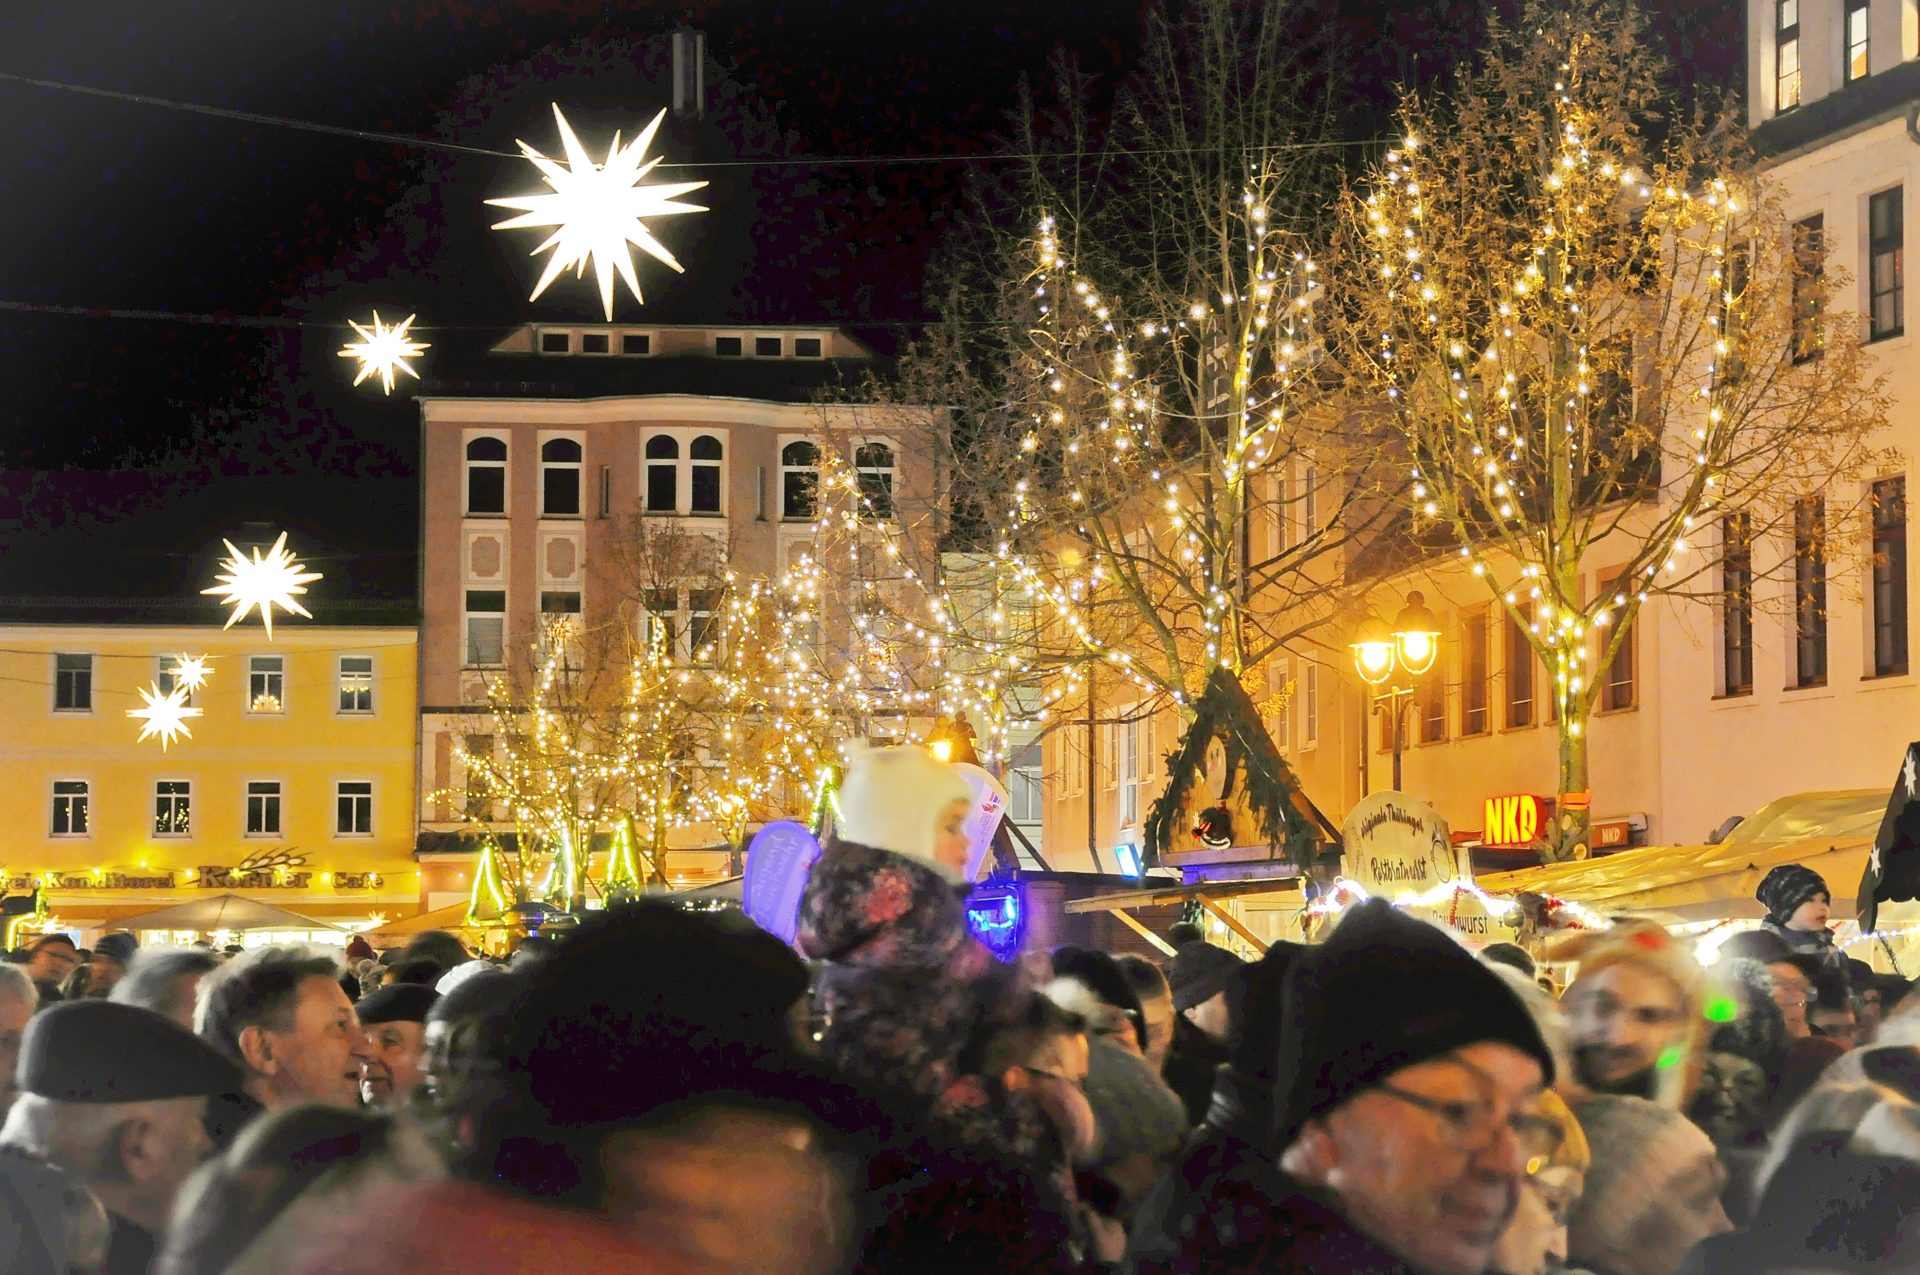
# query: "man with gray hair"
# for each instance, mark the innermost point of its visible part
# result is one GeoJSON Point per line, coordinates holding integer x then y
{"type": "Point", "coordinates": [19, 998]}
{"type": "Point", "coordinates": [278, 1011]}
{"type": "Point", "coordinates": [117, 1097]}
{"type": "Point", "coordinates": [165, 980]}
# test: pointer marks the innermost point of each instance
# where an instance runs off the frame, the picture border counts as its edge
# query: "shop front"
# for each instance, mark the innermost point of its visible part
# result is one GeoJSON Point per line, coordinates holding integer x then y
{"type": "Point", "coordinates": [1516, 828]}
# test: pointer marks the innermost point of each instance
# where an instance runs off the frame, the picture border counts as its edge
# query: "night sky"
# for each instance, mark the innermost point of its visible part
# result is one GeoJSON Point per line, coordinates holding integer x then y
{"type": "Point", "coordinates": [260, 239]}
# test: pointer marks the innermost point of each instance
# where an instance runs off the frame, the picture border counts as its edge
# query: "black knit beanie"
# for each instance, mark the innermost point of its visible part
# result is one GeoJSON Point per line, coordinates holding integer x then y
{"type": "Point", "coordinates": [1784, 889]}
{"type": "Point", "coordinates": [1385, 991]}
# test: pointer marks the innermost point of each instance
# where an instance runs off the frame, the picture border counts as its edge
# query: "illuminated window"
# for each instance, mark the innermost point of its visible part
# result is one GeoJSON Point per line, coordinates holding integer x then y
{"type": "Point", "coordinates": [356, 683]}
{"type": "Point", "coordinates": [70, 801]}
{"type": "Point", "coordinates": [1856, 40]}
{"type": "Point", "coordinates": [172, 808]}
{"type": "Point", "coordinates": [1786, 54]}
{"type": "Point", "coordinates": [266, 684]}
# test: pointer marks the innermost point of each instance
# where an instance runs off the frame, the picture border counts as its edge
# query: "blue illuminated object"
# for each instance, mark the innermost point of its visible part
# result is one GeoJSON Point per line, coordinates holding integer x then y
{"type": "Point", "coordinates": [997, 916]}
{"type": "Point", "coordinates": [1127, 859]}
{"type": "Point", "coordinates": [778, 860]}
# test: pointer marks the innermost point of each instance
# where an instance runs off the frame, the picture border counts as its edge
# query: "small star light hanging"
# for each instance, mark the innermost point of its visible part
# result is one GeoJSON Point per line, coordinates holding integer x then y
{"type": "Point", "coordinates": [269, 582]}
{"type": "Point", "coordinates": [382, 350]}
{"type": "Point", "coordinates": [165, 714]}
{"type": "Point", "coordinates": [190, 671]}
{"type": "Point", "coordinates": [597, 210]}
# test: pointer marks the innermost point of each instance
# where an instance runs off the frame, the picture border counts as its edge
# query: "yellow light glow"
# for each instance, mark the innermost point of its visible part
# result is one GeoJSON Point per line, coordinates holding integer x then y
{"type": "Point", "coordinates": [269, 582]}
{"type": "Point", "coordinates": [164, 715]}
{"type": "Point", "coordinates": [1417, 648]}
{"type": "Point", "coordinates": [190, 671]}
{"type": "Point", "coordinates": [383, 350]}
{"type": "Point", "coordinates": [597, 210]}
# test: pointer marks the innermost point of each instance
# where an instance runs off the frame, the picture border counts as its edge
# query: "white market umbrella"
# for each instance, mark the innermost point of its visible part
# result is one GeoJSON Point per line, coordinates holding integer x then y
{"type": "Point", "coordinates": [223, 912]}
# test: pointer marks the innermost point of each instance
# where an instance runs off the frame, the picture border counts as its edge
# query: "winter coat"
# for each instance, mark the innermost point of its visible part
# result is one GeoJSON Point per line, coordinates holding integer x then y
{"type": "Point", "coordinates": [1222, 1180]}
{"type": "Point", "coordinates": [1192, 1060]}
{"type": "Point", "coordinates": [1818, 943]}
{"type": "Point", "coordinates": [907, 990]}
{"type": "Point", "coordinates": [1282, 1230]}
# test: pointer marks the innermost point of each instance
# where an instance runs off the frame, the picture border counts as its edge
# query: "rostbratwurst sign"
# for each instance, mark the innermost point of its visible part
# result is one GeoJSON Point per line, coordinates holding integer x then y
{"type": "Point", "coordinates": [1394, 845]}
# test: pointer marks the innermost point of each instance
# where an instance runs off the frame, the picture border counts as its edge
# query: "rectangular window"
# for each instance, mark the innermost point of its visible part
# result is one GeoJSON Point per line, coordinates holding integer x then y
{"type": "Point", "coordinates": [1520, 665]}
{"type": "Point", "coordinates": [727, 347]}
{"type": "Point", "coordinates": [70, 799]}
{"type": "Point", "coordinates": [1310, 503]}
{"type": "Point", "coordinates": [1786, 54]}
{"type": "Point", "coordinates": [1073, 762]}
{"type": "Point", "coordinates": [172, 808]}
{"type": "Point", "coordinates": [873, 467]}
{"type": "Point", "coordinates": [1474, 674]}
{"type": "Point", "coordinates": [767, 347]}
{"type": "Point", "coordinates": [636, 343]}
{"type": "Point", "coordinates": [479, 752]}
{"type": "Point", "coordinates": [1889, 599]}
{"type": "Point", "coordinates": [356, 683]}
{"type": "Point", "coordinates": [556, 342]}
{"type": "Point", "coordinates": [1736, 605]}
{"type": "Point", "coordinates": [353, 808]}
{"type": "Point", "coordinates": [73, 683]}
{"type": "Point", "coordinates": [1809, 592]}
{"type": "Point", "coordinates": [1733, 296]}
{"type": "Point", "coordinates": [595, 343]}
{"type": "Point", "coordinates": [1617, 679]}
{"type": "Point", "coordinates": [1310, 708]}
{"type": "Point", "coordinates": [1886, 267]}
{"type": "Point", "coordinates": [703, 625]}
{"type": "Point", "coordinates": [1809, 271]}
{"type": "Point", "coordinates": [662, 619]}
{"type": "Point", "coordinates": [1430, 702]}
{"type": "Point", "coordinates": [263, 807]}
{"type": "Point", "coordinates": [806, 347]}
{"type": "Point", "coordinates": [486, 625]}
{"type": "Point", "coordinates": [487, 475]}
{"type": "Point", "coordinates": [1856, 40]}
{"type": "Point", "coordinates": [1130, 777]}
{"type": "Point", "coordinates": [165, 679]}
{"type": "Point", "coordinates": [799, 479]}
{"type": "Point", "coordinates": [560, 468]}
{"type": "Point", "coordinates": [1280, 692]}
{"type": "Point", "coordinates": [1024, 794]}
{"type": "Point", "coordinates": [266, 684]}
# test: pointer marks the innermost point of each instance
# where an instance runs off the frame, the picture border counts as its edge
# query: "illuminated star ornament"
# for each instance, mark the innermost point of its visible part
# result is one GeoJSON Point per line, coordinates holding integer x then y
{"type": "Point", "coordinates": [165, 714]}
{"type": "Point", "coordinates": [383, 350]}
{"type": "Point", "coordinates": [190, 671]}
{"type": "Point", "coordinates": [273, 581]}
{"type": "Point", "coordinates": [597, 210]}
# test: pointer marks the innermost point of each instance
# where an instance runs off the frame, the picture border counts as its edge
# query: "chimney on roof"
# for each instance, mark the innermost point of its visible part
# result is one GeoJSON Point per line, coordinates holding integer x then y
{"type": "Point", "coordinates": [689, 74]}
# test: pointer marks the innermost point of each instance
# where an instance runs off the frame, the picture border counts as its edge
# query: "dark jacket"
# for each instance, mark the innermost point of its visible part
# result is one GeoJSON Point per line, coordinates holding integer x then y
{"type": "Point", "coordinates": [1214, 1193]}
{"type": "Point", "coordinates": [130, 1248]}
{"type": "Point", "coordinates": [1192, 1060]}
{"type": "Point", "coordinates": [1283, 1229]}
{"type": "Point", "coordinates": [1818, 944]}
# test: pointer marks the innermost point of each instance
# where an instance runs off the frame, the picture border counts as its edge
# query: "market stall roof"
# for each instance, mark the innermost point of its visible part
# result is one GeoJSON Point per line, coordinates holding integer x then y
{"type": "Point", "coordinates": [1830, 832]}
{"type": "Point", "coordinates": [452, 917]}
{"type": "Point", "coordinates": [223, 912]}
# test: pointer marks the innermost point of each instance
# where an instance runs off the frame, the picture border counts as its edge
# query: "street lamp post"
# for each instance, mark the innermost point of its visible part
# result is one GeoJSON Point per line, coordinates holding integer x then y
{"type": "Point", "coordinates": [1380, 654]}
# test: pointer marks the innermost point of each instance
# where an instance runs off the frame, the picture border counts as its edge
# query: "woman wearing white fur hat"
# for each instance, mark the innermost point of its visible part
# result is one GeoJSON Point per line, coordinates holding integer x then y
{"type": "Point", "coordinates": [905, 987]}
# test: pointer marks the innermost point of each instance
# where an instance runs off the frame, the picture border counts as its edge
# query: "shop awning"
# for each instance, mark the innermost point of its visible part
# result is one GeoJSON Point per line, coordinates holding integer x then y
{"type": "Point", "coordinates": [222, 912]}
{"type": "Point", "coordinates": [1707, 882]}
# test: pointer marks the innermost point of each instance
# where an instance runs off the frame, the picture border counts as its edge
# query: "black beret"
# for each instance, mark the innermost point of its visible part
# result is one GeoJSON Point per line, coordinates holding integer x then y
{"type": "Point", "coordinates": [103, 1051]}
{"type": "Point", "coordinates": [400, 1003]}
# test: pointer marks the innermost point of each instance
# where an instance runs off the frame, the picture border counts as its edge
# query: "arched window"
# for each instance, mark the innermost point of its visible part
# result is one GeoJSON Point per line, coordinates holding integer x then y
{"type": "Point", "coordinates": [706, 454]}
{"type": "Point", "coordinates": [663, 474]}
{"type": "Point", "coordinates": [799, 479]}
{"type": "Point", "coordinates": [874, 470]}
{"type": "Point", "coordinates": [560, 478]}
{"type": "Point", "coordinates": [486, 476]}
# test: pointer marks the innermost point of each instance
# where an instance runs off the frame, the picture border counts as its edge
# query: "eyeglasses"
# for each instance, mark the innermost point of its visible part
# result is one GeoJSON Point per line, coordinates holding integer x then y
{"type": "Point", "coordinates": [1474, 1124]}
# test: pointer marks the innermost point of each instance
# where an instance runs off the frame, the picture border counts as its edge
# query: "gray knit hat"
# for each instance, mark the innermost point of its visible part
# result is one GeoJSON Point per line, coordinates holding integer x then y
{"type": "Point", "coordinates": [1134, 1111]}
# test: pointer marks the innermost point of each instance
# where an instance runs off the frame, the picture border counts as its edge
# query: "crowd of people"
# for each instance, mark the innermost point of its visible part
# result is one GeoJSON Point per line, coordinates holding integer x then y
{"type": "Point", "coordinates": [678, 1091]}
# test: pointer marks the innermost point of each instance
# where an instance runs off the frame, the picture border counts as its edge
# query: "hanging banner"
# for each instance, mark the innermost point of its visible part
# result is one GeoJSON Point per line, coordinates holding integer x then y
{"type": "Point", "coordinates": [989, 808]}
{"type": "Point", "coordinates": [778, 860]}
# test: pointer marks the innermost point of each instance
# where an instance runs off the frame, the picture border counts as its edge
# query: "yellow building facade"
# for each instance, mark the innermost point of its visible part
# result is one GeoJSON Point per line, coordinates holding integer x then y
{"type": "Point", "coordinates": [297, 787]}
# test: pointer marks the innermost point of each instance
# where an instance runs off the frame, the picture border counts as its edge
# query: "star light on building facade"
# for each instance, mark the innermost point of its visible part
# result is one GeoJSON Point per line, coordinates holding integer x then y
{"type": "Point", "coordinates": [164, 714]}
{"type": "Point", "coordinates": [269, 582]}
{"type": "Point", "coordinates": [383, 350]}
{"type": "Point", "coordinates": [597, 210]}
{"type": "Point", "coordinates": [190, 671]}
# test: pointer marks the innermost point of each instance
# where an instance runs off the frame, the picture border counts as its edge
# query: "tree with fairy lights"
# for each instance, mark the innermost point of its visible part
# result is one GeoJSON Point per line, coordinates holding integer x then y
{"type": "Point", "coordinates": [1598, 342]}
{"type": "Point", "coordinates": [1159, 496]}
{"type": "Point", "coordinates": [702, 709]}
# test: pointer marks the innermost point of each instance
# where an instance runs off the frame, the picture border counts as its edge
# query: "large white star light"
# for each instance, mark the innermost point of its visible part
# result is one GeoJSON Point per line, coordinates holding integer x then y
{"type": "Point", "coordinates": [597, 210]}
{"type": "Point", "coordinates": [383, 350]}
{"type": "Point", "coordinates": [165, 714]}
{"type": "Point", "coordinates": [269, 582]}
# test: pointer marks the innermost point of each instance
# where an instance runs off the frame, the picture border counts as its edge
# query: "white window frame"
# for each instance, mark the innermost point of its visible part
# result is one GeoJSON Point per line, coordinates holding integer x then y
{"type": "Point", "coordinates": [468, 465]}
{"type": "Point", "coordinates": [84, 797]}
{"type": "Point", "coordinates": [1279, 673]}
{"type": "Point", "coordinates": [340, 794]}
{"type": "Point", "coordinates": [1310, 707]}
{"type": "Point", "coordinates": [683, 463]}
{"type": "Point", "coordinates": [253, 697]}
{"type": "Point", "coordinates": [892, 471]}
{"type": "Point", "coordinates": [1073, 761]}
{"type": "Point", "coordinates": [92, 668]}
{"type": "Point", "coordinates": [468, 616]}
{"type": "Point", "coordinates": [341, 691]}
{"type": "Point", "coordinates": [279, 799]}
{"type": "Point", "coordinates": [578, 468]}
{"type": "Point", "coordinates": [187, 796]}
{"type": "Point", "coordinates": [1309, 501]}
{"type": "Point", "coordinates": [1129, 738]}
{"type": "Point", "coordinates": [788, 440]}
